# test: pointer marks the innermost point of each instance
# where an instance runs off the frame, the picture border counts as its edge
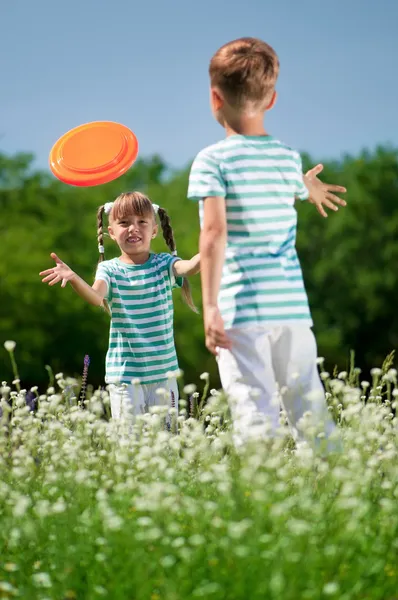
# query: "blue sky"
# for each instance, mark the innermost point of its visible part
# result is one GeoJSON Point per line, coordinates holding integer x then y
{"type": "Point", "coordinates": [145, 63]}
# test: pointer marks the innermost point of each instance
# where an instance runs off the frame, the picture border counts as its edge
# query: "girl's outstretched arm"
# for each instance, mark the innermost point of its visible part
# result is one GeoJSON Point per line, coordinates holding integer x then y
{"type": "Point", "coordinates": [62, 273]}
{"type": "Point", "coordinates": [185, 268]}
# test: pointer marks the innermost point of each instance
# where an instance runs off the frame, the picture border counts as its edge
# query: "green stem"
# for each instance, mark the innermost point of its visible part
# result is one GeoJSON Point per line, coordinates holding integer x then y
{"type": "Point", "coordinates": [15, 370]}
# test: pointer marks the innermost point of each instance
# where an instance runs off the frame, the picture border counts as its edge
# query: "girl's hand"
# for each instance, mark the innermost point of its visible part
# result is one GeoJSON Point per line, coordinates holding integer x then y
{"type": "Point", "coordinates": [61, 272]}
{"type": "Point", "coordinates": [321, 193]}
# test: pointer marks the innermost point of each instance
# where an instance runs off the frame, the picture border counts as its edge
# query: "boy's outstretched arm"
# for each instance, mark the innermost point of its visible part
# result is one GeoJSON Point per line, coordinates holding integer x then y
{"type": "Point", "coordinates": [212, 243]}
{"type": "Point", "coordinates": [185, 268]}
{"type": "Point", "coordinates": [320, 193]}
{"type": "Point", "coordinates": [62, 273]}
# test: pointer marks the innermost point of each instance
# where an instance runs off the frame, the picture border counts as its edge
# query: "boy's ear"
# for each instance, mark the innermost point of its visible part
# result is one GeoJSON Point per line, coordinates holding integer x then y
{"type": "Point", "coordinates": [217, 100]}
{"type": "Point", "coordinates": [155, 231]}
{"type": "Point", "coordinates": [273, 100]}
{"type": "Point", "coordinates": [111, 234]}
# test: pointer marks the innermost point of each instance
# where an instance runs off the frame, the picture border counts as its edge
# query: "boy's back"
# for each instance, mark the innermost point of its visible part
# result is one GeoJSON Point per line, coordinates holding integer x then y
{"type": "Point", "coordinates": [255, 309]}
{"type": "Point", "coordinates": [259, 177]}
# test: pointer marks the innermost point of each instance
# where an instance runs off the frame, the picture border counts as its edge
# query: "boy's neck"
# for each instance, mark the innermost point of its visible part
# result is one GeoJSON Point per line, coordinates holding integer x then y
{"type": "Point", "coordinates": [252, 126]}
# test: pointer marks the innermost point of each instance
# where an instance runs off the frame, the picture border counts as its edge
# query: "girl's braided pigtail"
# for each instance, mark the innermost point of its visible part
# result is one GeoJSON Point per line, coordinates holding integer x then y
{"type": "Point", "coordinates": [170, 241]}
{"type": "Point", "coordinates": [100, 233]}
{"type": "Point", "coordinates": [101, 249]}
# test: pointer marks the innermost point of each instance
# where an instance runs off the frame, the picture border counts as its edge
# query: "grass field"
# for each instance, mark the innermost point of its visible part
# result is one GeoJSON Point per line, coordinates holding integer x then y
{"type": "Point", "coordinates": [90, 512]}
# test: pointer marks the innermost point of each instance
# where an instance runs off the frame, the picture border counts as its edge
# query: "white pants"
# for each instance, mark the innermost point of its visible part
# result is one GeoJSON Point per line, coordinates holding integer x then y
{"type": "Point", "coordinates": [132, 400]}
{"type": "Point", "coordinates": [267, 368]}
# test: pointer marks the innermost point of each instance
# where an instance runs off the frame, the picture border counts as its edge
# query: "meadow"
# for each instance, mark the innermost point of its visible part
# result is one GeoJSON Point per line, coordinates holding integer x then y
{"type": "Point", "coordinates": [91, 509]}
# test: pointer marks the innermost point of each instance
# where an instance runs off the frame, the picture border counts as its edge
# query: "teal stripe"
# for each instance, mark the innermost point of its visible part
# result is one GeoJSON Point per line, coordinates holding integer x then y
{"type": "Point", "coordinates": [140, 297]}
{"type": "Point", "coordinates": [246, 268]}
{"type": "Point", "coordinates": [245, 182]}
{"type": "Point", "coordinates": [258, 156]}
{"type": "Point", "coordinates": [146, 344]}
{"type": "Point", "coordinates": [138, 317]}
{"type": "Point", "coordinates": [260, 305]}
{"type": "Point", "coordinates": [261, 221]}
{"type": "Point", "coordinates": [206, 193]}
{"type": "Point", "coordinates": [262, 234]}
{"type": "Point", "coordinates": [270, 279]}
{"type": "Point", "coordinates": [256, 207]}
{"type": "Point", "coordinates": [271, 249]}
{"type": "Point", "coordinates": [127, 348]}
{"type": "Point", "coordinates": [253, 169]}
{"type": "Point", "coordinates": [205, 183]}
{"type": "Point", "coordinates": [126, 279]}
{"type": "Point", "coordinates": [134, 373]}
{"type": "Point", "coordinates": [225, 300]}
{"type": "Point", "coordinates": [128, 364]}
{"type": "Point", "coordinates": [210, 162]}
{"type": "Point", "coordinates": [145, 286]}
{"type": "Point", "coordinates": [264, 194]}
{"type": "Point", "coordinates": [139, 326]}
{"type": "Point", "coordinates": [300, 317]}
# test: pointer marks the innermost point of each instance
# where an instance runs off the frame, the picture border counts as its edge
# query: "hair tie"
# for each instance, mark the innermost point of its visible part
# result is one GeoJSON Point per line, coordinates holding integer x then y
{"type": "Point", "coordinates": [174, 253]}
{"type": "Point", "coordinates": [156, 208]}
{"type": "Point", "coordinates": [108, 207]}
{"type": "Point", "coordinates": [101, 249]}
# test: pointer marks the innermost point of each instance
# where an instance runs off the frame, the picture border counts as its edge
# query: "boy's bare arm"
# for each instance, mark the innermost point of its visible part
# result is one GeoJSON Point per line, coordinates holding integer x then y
{"type": "Point", "coordinates": [212, 243]}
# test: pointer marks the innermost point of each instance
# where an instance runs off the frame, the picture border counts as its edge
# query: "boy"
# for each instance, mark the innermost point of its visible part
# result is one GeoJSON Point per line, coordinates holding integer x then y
{"type": "Point", "coordinates": [256, 314]}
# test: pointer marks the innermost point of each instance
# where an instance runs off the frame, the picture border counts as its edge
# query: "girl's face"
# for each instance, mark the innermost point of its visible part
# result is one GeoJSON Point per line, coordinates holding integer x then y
{"type": "Point", "coordinates": [133, 233]}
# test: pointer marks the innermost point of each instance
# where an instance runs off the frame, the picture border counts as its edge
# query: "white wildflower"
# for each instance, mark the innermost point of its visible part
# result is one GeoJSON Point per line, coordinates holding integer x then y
{"type": "Point", "coordinates": [42, 579]}
{"type": "Point", "coordinates": [375, 372]}
{"type": "Point", "coordinates": [7, 588]}
{"type": "Point", "coordinates": [331, 588]}
{"type": "Point", "coordinates": [190, 388]}
{"type": "Point", "coordinates": [21, 506]}
{"type": "Point", "coordinates": [161, 391]}
{"type": "Point", "coordinates": [197, 540]}
{"type": "Point", "coordinates": [9, 345]}
{"type": "Point", "coordinates": [168, 561]}
{"type": "Point", "coordinates": [59, 506]}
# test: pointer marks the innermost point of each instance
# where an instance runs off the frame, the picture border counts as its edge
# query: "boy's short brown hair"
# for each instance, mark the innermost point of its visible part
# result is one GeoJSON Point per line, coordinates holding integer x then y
{"type": "Point", "coordinates": [245, 71]}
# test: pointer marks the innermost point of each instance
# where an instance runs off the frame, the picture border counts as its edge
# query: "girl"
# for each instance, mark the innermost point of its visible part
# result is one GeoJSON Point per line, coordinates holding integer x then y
{"type": "Point", "coordinates": [136, 290]}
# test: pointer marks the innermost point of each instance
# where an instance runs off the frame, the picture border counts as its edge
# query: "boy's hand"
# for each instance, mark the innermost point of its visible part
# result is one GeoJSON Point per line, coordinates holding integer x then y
{"type": "Point", "coordinates": [61, 272]}
{"type": "Point", "coordinates": [320, 193]}
{"type": "Point", "coordinates": [214, 330]}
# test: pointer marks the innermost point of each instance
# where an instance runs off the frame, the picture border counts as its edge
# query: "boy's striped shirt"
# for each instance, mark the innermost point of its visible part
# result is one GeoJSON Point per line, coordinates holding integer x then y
{"type": "Point", "coordinates": [259, 179]}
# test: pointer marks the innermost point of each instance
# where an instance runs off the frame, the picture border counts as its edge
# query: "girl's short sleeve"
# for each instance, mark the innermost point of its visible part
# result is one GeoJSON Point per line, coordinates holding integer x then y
{"type": "Point", "coordinates": [102, 273]}
{"type": "Point", "coordinates": [166, 262]}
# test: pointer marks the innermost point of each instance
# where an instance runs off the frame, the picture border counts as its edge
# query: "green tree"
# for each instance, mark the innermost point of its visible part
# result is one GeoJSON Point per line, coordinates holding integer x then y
{"type": "Point", "coordinates": [348, 262]}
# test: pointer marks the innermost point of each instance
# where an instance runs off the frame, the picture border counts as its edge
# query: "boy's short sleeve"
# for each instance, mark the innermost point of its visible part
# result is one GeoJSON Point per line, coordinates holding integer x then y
{"type": "Point", "coordinates": [102, 273]}
{"type": "Point", "coordinates": [301, 190]}
{"type": "Point", "coordinates": [205, 178]}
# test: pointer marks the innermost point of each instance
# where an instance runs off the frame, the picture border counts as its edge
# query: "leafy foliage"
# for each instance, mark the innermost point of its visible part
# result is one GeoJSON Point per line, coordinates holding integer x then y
{"type": "Point", "coordinates": [348, 262]}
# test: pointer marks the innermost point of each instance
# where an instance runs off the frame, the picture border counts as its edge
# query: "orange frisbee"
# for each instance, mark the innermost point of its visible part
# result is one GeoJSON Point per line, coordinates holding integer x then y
{"type": "Point", "coordinates": [93, 153]}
